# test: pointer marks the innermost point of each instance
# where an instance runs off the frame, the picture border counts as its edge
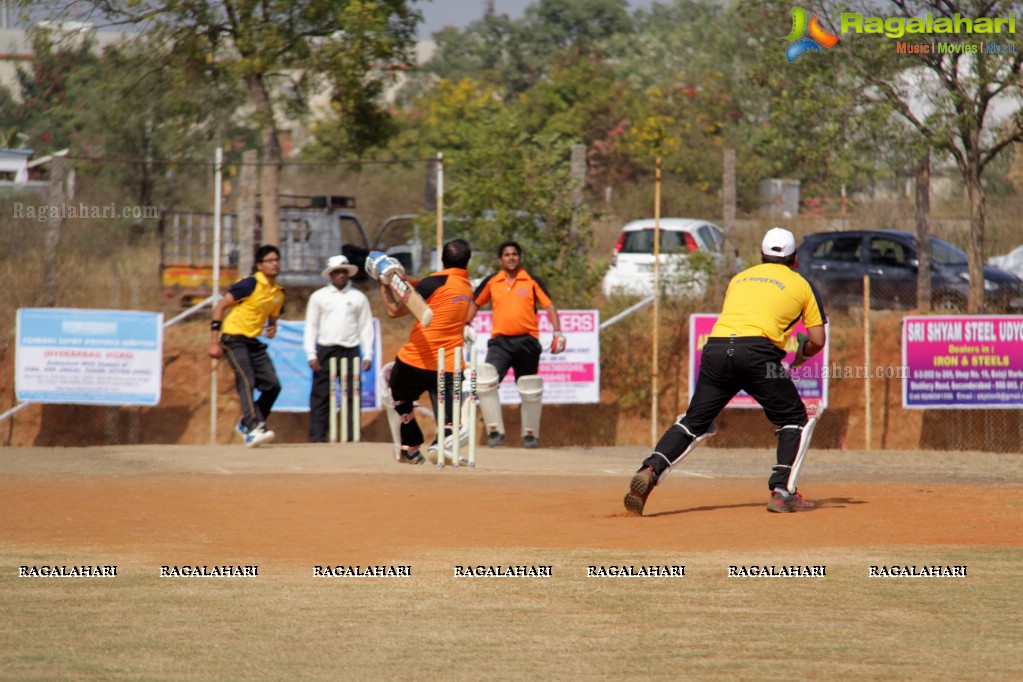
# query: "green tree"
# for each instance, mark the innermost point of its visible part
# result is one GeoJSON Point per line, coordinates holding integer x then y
{"type": "Point", "coordinates": [43, 109]}
{"type": "Point", "coordinates": [510, 185]}
{"type": "Point", "coordinates": [494, 49]}
{"type": "Point", "coordinates": [516, 54]}
{"type": "Point", "coordinates": [811, 119]}
{"type": "Point", "coordinates": [448, 118]}
{"type": "Point", "coordinates": [281, 51]}
{"type": "Point", "coordinates": [966, 105]}
{"type": "Point", "coordinates": [137, 111]}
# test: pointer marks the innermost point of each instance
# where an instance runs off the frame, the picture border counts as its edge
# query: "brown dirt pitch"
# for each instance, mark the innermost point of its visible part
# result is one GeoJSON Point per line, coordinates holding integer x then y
{"type": "Point", "coordinates": [296, 512]}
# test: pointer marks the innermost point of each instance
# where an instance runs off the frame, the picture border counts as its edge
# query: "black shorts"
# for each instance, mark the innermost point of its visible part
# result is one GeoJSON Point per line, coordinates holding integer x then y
{"type": "Point", "coordinates": [520, 353]}
{"type": "Point", "coordinates": [408, 382]}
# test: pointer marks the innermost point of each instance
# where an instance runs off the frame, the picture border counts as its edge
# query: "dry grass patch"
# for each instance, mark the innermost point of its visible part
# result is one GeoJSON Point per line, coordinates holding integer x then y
{"type": "Point", "coordinates": [288, 625]}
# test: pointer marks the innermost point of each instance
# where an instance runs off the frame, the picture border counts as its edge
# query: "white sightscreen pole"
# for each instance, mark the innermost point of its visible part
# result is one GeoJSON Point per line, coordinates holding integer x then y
{"type": "Point", "coordinates": [440, 209]}
{"type": "Point", "coordinates": [217, 181]}
{"type": "Point", "coordinates": [655, 356]}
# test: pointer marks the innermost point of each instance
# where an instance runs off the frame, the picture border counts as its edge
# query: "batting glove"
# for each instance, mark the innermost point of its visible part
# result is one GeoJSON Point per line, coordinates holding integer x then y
{"type": "Point", "coordinates": [469, 335]}
{"type": "Point", "coordinates": [391, 268]}
{"type": "Point", "coordinates": [558, 343]}
{"type": "Point", "coordinates": [376, 261]}
{"type": "Point", "coordinates": [801, 355]}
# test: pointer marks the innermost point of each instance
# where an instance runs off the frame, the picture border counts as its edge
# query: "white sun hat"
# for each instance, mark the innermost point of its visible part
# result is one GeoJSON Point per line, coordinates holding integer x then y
{"type": "Point", "coordinates": [339, 263]}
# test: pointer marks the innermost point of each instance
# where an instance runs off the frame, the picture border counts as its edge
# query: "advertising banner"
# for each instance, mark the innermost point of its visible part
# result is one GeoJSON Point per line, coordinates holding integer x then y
{"type": "Point", "coordinates": [811, 378]}
{"type": "Point", "coordinates": [296, 377]}
{"type": "Point", "coordinates": [88, 357]}
{"type": "Point", "coordinates": [569, 377]}
{"type": "Point", "coordinates": [962, 362]}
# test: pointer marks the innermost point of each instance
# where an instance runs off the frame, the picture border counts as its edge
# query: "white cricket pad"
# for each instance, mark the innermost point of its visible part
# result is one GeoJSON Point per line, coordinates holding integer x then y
{"type": "Point", "coordinates": [531, 392]}
{"type": "Point", "coordinates": [393, 418]}
{"type": "Point", "coordinates": [804, 445]}
{"type": "Point", "coordinates": [487, 382]}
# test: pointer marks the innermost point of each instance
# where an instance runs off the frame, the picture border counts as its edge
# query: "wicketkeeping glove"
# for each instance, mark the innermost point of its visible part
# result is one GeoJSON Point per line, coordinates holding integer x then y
{"type": "Point", "coordinates": [801, 355]}
{"type": "Point", "coordinates": [558, 343]}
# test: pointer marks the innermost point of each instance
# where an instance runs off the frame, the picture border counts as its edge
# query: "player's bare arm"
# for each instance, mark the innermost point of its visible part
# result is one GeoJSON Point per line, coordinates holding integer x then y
{"type": "Point", "coordinates": [395, 307]}
{"type": "Point", "coordinates": [816, 341]}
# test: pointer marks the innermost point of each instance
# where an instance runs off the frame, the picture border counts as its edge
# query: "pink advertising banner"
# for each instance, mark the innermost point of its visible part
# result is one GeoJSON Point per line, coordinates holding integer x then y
{"type": "Point", "coordinates": [962, 362]}
{"type": "Point", "coordinates": [811, 378]}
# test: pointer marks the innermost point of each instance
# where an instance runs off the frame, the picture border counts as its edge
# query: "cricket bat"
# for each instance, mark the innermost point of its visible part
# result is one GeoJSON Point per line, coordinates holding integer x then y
{"type": "Point", "coordinates": [411, 298]}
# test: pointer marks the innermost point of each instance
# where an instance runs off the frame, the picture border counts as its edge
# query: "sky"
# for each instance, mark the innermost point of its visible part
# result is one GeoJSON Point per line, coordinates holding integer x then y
{"type": "Point", "coordinates": [440, 13]}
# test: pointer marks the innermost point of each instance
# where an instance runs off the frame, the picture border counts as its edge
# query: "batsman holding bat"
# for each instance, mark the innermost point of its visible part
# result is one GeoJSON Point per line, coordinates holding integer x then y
{"type": "Point", "coordinates": [447, 294]}
{"type": "Point", "coordinates": [744, 352]}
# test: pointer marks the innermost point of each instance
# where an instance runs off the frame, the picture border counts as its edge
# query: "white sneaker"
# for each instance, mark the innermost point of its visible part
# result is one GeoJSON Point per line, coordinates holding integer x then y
{"type": "Point", "coordinates": [258, 436]}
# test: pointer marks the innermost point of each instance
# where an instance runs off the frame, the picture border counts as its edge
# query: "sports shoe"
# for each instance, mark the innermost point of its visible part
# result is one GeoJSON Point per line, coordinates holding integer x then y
{"type": "Point", "coordinates": [639, 489]}
{"type": "Point", "coordinates": [783, 502]}
{"type": "Point", "coordinates": [412, 456]}
{"type": "Point", "coordinates": [495, 439]}
{"type": "Point", "coordinates": [449, 455]}
{"type": "Point", "coordinates": [530, 442]}
{"type": "Point", "coordinates": [241, 430]}
{"type": "Point", "coordinates": [463, 438]}
{"type": "Point", "coordinates": [258, 436]}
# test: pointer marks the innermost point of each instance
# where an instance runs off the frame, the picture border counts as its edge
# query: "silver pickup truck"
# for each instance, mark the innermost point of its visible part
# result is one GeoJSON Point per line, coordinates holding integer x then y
{"type": "Point", "coordinates": [308, 236]}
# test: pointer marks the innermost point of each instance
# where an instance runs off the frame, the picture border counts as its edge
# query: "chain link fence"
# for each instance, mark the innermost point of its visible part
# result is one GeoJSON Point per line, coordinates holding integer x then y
{"type": "Point", "coordinates": [114, 261]}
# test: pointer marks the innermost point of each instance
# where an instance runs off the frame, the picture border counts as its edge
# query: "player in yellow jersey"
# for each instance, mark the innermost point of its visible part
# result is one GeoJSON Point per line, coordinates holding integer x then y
{"type": "Point", "coordinates": [744, 352]}
{"type": "Point", "coordinates": [254, 304]}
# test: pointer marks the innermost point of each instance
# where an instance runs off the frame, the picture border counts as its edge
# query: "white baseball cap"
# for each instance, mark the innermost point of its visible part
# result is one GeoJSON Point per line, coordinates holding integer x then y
{"type": "Point", "coordinates": [778, 242]}
{"type": "Point", "coordinates": [339, 263]}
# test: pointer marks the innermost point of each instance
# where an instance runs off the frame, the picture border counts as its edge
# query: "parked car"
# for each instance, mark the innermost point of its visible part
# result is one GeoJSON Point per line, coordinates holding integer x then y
{"type": "Point", "coordinates": [837, 261]}
{"type": "Point", "coordinates": [1010, 262]}
{"type": "Point", "coordinates": [632, 262]}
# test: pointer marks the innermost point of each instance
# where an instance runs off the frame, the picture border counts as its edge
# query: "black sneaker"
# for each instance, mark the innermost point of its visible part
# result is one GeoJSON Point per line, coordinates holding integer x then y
{"type": "Point", "coordinates": [530, 442]}
{"type": "Point", "coordinates": [639, 489]}
{"type": "Point", "coordinates": [495, 439]}
{"type": "Point", "coordinates": [412, 456]}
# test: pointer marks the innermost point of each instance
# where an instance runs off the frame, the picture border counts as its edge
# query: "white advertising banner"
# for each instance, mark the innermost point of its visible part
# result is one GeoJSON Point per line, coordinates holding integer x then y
{"type": "Point", "coordinates": [88, 357]}
{"type": "Point", "coordinates": [569, 377]}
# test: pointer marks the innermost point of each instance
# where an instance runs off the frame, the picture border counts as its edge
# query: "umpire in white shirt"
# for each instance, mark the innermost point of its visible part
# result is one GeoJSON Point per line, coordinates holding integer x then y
{"type": "Point", "coordinates": [338, 322]}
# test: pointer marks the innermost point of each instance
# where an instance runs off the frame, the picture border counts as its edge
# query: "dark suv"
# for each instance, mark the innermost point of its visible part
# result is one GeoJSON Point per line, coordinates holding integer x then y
{"type": "Point", "coordinates": [837, 261]}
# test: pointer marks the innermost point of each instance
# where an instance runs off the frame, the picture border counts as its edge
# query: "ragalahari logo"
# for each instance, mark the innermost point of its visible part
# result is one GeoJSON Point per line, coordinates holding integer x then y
{"type": "Point", "coordinates": [819, 37]}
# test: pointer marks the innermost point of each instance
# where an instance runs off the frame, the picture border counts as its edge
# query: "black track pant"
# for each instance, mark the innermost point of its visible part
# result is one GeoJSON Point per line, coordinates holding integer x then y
{"type": "Point", "coordinates": [319, 394]}
{"type": "Point", "coordinates": [252, 371]}
{"type": "Point", "coordinates": [730, 365]}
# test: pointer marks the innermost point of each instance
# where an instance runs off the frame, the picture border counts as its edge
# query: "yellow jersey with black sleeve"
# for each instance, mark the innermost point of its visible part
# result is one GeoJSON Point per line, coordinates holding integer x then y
{"type": "Point", "coordinates": [766, 301]}
{"type": "Point", "coordinates": [256, 301]}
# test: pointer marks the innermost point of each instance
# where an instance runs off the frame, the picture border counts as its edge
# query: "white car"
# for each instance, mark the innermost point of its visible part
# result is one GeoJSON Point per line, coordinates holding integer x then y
{"type": "Point", "coordinates": [632, 263]}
